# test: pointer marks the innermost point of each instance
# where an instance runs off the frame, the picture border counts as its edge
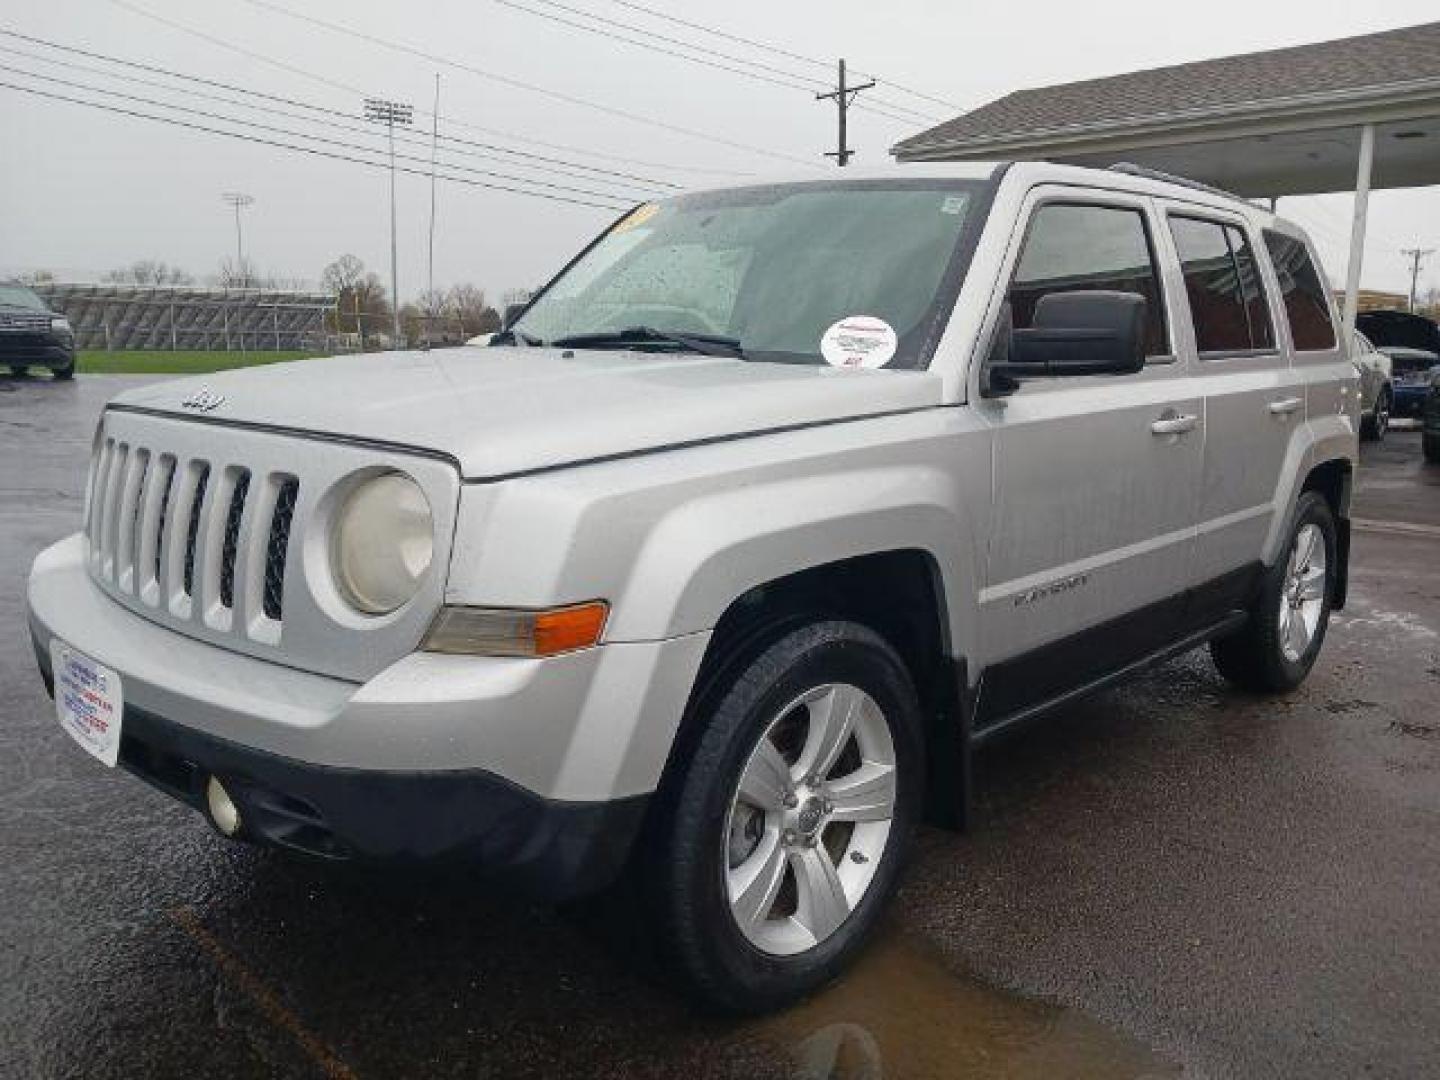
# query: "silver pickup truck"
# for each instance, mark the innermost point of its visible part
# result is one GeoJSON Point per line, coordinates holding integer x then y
{"type": "Point", "coordinates": [719, 564]}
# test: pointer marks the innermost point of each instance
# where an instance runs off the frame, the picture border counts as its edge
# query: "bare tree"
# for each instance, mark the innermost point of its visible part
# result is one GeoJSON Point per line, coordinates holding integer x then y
{"type": "Point", "coordinates": [468, 306]}
{"type": "Point", "coordinates": [360, 297]}
{"type": "Point", "coordinates": [149, 272]}
{"type": "Point", "coordinates": [238, 274]}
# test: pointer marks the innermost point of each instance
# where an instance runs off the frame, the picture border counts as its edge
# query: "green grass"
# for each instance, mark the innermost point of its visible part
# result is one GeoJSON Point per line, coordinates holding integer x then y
{"type": "Point", "coordinates": [99, 362]}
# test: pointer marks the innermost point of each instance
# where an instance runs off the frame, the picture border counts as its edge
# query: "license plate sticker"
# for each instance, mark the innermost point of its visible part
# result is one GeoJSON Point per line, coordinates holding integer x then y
{"type": "Point", "coordinates": [88, 701]}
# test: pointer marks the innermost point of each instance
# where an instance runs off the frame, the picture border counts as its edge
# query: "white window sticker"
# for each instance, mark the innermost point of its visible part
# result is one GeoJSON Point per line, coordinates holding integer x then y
{"type": "Point", "coordinates": [859, 341]}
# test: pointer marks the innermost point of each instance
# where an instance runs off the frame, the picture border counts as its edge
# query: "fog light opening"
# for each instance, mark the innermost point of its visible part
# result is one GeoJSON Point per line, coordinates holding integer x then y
{"type": "Point", "coordinates": [223, 812]}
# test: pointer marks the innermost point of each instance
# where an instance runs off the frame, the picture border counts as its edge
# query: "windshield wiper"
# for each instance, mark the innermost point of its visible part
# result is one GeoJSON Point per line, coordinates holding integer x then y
{"type": "Point", "coordinates": [705, 344]}
{"type": "Point", "coordinates": [515, 337]}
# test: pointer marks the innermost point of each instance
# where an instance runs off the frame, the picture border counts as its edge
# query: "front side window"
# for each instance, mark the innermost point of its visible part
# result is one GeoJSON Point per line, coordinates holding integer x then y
{"type": "Point", "coordinates": [770, 269]}
{"type": "Point", "coordinates": [1222, 282]}
{"type": "Point", "coordinates": [1074, 246]}
{"type": "Point", "coordinates": [1307, 308]}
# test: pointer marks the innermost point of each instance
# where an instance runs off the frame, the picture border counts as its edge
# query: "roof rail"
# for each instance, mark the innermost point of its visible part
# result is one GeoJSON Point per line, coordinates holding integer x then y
{"type": "Point", "coordinates": [1130, 169]}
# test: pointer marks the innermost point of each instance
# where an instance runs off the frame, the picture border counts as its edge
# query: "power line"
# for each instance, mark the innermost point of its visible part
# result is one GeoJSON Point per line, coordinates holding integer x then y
{"type": "Point", "coordinates": [307, 135]}
{"type": "Point", "coordinates": [312, 151]}
{"type": "Point", "coordinates": [553, 165]}
{"type": "Point", "coordinates": [505, 80]}
{"type": "Point", "coordinates": [779, 51]}
{"type": "Point", "coordinates": [350, 90]}
{"type": "Point", "coordinates": [807, 83]}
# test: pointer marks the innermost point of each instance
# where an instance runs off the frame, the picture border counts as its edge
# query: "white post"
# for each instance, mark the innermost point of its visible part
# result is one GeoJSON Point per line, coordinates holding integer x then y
{"type": "Point", "coordinates": [1357, 227]}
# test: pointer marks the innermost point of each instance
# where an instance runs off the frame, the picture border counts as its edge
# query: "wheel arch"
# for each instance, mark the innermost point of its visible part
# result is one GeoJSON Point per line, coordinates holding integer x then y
{"type": "Point", "coordinates": [900, 595]}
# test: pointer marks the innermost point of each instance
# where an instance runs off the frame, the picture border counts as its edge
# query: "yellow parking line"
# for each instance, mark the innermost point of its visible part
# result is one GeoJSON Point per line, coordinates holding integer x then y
{"type": "Point", "coordinates": [267, 1000]}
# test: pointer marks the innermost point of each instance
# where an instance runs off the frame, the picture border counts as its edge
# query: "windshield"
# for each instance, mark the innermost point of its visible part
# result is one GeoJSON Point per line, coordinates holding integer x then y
{"type": "Point", "coordinates": [19, 296]}
{"type": "Point", "coordinates": [772, 270]}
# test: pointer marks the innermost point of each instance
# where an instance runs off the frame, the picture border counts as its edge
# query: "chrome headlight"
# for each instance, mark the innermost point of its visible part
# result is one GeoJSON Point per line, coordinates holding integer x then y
{"type": "Point", "coordinates": [383, 543]}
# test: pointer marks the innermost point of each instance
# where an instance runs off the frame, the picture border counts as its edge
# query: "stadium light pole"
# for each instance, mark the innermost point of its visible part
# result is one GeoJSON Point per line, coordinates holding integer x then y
{"type": "Point", "coordinates": [239, 200]}
{"type": "Point", "coordinates": [391, 113]}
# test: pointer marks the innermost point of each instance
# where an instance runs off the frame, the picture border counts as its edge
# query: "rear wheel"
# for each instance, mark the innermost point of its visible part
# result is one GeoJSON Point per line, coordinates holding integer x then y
{"type": "Point", "coordinates": [783, 838]}
{"type": "Point", "coordinates": [18, 370]}
{"type": "Point", "coordinates": [1374, 426]}
{"type": "Point", "coordinates": [1275, 650]}
{"type": "Point", "coordinates": [1431, 445]}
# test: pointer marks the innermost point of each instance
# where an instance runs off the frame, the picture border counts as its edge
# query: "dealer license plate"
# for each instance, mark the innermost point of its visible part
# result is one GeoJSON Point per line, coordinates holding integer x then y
{"type": "Point", "coordinates": [88, 701]}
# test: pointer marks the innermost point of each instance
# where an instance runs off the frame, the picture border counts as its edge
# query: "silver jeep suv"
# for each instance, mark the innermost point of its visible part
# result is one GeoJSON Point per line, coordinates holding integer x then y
{"type": "Point", "coordinates": [718, 565]}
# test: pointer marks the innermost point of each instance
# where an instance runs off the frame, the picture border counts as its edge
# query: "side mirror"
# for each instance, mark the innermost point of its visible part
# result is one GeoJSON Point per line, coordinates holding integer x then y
{"type": "Point", "coordinates": [1072, 333]}
{"type": "Point", "coordinates": [512, 312]}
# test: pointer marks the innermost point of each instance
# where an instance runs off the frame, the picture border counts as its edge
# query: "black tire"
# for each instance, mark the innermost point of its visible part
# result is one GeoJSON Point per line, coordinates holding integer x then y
{"type": "Point", "coordinates": [683, 873]}
{"type": "Point", "coordinates": [1430, 444]}
{"type": "Point", "coordinates": [19, 371]}
{"type": "Point", "coordinates": [1374, 427]}
{"type": "Point", "coordinates": [1253, 658]}
{"type": "Point", "coordinates": [62, 374]}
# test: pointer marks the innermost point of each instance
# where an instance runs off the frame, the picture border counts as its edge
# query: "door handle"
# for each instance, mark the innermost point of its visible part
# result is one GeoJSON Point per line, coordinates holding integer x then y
{"type": "Point", "coordinates": [1285, 406]}
{"type": "Point", "coordinates": [1171, 424]}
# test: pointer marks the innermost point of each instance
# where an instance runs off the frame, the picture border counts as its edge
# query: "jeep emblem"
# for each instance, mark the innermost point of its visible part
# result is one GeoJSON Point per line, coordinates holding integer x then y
{"type": "Point", "coordinates": [203, 400]}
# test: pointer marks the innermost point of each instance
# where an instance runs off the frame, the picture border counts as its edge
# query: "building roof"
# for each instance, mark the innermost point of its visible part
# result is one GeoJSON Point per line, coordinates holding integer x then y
{"type": "Point", "coordinates": [1353, 66]}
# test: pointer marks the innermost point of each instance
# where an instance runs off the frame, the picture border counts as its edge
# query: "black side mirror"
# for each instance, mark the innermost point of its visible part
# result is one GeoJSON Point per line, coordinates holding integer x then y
{"type": "Point", "coordinates": [1072, 333]}
{"type": "Point", "coordinates": [512, 312]}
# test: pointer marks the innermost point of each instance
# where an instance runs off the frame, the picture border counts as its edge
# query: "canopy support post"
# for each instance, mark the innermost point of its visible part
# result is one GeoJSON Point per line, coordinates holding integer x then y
{"type": "Point", "coordinates": [1357, 226]}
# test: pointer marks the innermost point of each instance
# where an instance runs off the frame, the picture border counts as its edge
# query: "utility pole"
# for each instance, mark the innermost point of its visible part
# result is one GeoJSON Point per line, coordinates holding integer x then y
{"type": "Point", "coordinates": [391, 113]}
{"type": "Point", "coordinates": [430, 273]}
{"type": "Point", "coordinates": [1415, 255]}
{"type": "Point", "coordinates": [844, 96]}
{"type": "Point", "coordinates": [239, 200]}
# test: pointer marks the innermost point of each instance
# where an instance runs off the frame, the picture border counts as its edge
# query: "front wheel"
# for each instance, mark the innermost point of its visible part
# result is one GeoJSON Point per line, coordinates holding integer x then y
{"type": "Point", "coordinates": [1431, 446]}
{"type": "Point", "coordinates": [783, 838]}
{"type": "Point", "coordinates": [1276, 649]}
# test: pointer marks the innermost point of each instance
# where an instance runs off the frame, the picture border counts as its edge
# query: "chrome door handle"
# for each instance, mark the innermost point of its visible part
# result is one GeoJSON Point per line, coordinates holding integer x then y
{"type": "Point", "coordinates": [1285, 406]}
{"type": "Point", "coordinates": [1174, 425]}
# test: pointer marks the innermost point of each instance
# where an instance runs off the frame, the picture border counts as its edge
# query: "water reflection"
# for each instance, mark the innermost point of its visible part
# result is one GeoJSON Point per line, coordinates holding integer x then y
{"type": "Point", "coordinates": [902, 1013]}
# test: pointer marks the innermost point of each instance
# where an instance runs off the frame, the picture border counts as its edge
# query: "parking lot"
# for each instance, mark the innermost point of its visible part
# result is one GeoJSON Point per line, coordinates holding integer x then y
{"type": "Point", "coordinates": [1168, 878]}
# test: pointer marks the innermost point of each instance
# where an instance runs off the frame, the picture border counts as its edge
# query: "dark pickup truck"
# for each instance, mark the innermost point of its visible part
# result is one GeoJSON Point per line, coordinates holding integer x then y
{"type": "Point", "coordinates": [31, 335]}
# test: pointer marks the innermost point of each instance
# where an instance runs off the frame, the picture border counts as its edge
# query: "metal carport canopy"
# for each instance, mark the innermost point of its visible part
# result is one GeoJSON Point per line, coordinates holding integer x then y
{"type": "Point", "coordinates": [1352, 114]}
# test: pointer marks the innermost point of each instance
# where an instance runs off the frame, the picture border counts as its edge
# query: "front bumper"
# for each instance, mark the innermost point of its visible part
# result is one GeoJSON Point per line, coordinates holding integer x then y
{"type": "Point", "coordinates": [36, 350]}
{"type": "Point", "coordinates": [535, 769]}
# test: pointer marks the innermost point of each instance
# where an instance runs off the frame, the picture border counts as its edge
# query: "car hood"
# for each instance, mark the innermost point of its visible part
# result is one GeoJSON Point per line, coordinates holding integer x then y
{"type": "Point", "coordinates": [502, 411]}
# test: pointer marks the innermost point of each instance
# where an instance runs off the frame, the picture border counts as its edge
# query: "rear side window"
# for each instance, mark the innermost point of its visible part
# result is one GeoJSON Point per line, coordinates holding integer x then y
{"type": "Point", "coordinates": [1074, 247]}
{"type": "Point", "coordinates": [1222, 281]}
{"type": "Point", "coordinates": [1306, 307]}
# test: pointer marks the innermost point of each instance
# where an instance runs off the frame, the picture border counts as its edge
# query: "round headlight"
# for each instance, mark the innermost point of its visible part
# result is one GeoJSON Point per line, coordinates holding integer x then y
{"type": "Point", "coordinates": [384, 541]}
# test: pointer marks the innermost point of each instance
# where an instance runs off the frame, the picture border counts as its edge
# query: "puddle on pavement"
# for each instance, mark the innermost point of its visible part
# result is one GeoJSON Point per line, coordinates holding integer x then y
{"type": "Point", "coordinates": [902, 1013]}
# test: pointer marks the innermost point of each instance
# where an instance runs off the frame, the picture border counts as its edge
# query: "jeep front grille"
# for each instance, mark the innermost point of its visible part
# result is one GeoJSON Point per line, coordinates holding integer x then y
{"type": "Point", "coordinates": [175, 534]}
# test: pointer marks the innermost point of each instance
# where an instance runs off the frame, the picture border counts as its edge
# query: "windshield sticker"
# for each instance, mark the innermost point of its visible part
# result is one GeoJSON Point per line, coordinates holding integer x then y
{"type": "Point", "coordinates": [859, 341]}
{"type": "Point", "coordinates": [637, 217]}
{"type": "Point", "coordinates": [953, 204]}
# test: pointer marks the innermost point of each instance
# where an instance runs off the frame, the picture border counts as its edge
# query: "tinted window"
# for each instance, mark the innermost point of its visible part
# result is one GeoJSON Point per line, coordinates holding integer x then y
{"type": "Point", "coordinates": [1306, 306]}
{"type": "Point", "coordinates": [1213, 282]}
{"type": "Point", "coordinates": [1072, 247]}
{"type": "Point", "coordinates": [1252, 290]}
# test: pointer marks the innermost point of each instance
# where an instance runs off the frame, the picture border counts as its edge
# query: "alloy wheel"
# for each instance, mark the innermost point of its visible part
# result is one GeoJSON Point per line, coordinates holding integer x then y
{"type": "Point", "coordinates": [1302, 599]}
{"type": "Point", "coordinates": [810, 819]}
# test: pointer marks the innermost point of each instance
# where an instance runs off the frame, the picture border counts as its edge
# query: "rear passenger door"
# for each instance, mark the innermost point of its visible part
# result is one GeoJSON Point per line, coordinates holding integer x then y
{"type": "Point", "coordinates": [1253, 405]}
{"type": "Point", "coordinates": [1095, 477]}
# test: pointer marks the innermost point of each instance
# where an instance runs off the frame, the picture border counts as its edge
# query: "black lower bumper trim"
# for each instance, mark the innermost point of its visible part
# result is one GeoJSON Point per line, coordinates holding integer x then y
{"type": "Point", "coordinates": [550, 849]}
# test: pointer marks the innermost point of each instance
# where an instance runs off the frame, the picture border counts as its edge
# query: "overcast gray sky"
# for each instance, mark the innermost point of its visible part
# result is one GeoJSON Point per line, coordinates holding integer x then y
{"type": "Point", "coordinates": [82, 191]}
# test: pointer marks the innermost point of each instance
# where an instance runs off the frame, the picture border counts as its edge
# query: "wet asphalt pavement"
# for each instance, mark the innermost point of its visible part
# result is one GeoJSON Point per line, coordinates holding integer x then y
{"type": "Point", "coordinates": [1171, 877]}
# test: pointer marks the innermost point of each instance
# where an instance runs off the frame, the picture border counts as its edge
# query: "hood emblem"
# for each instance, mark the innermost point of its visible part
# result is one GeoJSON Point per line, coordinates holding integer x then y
{"type": "Point", "coordinates": [203, 400]}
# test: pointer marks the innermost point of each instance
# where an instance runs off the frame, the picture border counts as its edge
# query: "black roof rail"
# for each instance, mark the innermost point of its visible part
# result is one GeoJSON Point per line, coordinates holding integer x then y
{"type": "Point", "coordinates": [1130, 169]}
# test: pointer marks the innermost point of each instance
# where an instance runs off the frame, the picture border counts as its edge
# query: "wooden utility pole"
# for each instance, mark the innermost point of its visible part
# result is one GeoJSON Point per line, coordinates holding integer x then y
{"type": "Point", "coordinates": [1415, 255]}
{"type": "Point", "coordinates": [844, 96]}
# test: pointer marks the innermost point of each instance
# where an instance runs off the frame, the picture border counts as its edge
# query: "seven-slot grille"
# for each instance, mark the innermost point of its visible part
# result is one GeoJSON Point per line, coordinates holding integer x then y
{"type": "Point", "coordinates": [198, 539]}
